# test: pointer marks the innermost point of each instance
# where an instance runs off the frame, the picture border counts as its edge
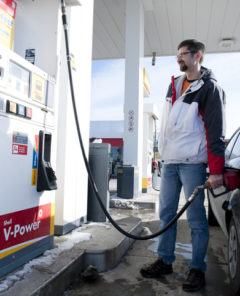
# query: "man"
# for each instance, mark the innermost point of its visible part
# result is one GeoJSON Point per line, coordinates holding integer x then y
{"type": "Point", "coordinates": [192, 133]}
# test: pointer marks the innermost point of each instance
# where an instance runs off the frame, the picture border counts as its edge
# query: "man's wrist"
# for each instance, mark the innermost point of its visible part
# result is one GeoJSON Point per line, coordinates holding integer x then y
{"type": "Point", "coordinates": [216, 174]}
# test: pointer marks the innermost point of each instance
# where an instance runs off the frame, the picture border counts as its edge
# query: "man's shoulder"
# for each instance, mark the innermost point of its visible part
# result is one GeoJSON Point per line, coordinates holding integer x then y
{"type": "Point", "coordinates": [212, 90]}
{"type": "Point", "coordinates": [211, 83]}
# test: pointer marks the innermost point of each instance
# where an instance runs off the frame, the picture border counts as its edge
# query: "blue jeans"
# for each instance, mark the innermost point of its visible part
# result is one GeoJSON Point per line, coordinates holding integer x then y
{"type": "Point", "coordinates": [174, 176]}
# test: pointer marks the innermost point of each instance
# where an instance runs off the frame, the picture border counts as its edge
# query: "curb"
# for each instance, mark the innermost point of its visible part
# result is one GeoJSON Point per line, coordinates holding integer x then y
{"type": "Point", "coordinates": [109, 258]}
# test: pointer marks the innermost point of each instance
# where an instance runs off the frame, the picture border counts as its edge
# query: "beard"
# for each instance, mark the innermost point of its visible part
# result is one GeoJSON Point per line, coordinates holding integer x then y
{"type": "Point", "coordinates": [183, 67]}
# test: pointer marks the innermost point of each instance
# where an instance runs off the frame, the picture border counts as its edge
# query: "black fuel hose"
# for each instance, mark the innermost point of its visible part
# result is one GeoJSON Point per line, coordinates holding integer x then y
{"type": "Point", "coordinates": [94, 187]}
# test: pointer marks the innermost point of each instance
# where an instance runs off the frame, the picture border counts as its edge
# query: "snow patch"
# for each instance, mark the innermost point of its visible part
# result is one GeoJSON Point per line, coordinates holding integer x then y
{"type": "Point", "coordinates": [123, 204]}
{"type": "Point", "coordinates": [106, 225]}
{"type": "Point", "coordinates": [187, 249]}
{"type": "Point", "coordinates": [147, 231]}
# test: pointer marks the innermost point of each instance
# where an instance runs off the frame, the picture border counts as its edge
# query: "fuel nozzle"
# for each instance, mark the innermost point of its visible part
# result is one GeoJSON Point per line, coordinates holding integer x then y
{"type": "Point", "coordinates": [231, 181]}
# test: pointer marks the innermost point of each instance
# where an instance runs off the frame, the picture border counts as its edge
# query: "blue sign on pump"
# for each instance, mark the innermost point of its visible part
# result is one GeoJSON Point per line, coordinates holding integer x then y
{"type": "Point", "coordinates": [35, 159]}
{"type": "Point", "coordinates": [21, 110]}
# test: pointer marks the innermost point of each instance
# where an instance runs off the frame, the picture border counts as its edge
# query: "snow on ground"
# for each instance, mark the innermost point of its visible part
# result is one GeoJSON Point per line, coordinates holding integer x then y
{"type": "Point", "coordinates": [119, 203]}
{"type": "Point", "coordinates": [184, 250]}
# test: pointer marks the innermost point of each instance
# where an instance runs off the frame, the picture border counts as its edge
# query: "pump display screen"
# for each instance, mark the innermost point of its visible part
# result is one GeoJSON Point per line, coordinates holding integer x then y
{"type": "Point", "coordinates": [19, 79]}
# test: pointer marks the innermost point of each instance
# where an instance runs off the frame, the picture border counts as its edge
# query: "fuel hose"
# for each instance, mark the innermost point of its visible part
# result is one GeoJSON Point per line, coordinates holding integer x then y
{"type": "Point", "coordinates": [91, 180]}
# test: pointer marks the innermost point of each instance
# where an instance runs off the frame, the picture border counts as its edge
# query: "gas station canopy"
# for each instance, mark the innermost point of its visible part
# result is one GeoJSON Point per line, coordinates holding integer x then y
{"type": "Point", "coordinates": [166, 24]}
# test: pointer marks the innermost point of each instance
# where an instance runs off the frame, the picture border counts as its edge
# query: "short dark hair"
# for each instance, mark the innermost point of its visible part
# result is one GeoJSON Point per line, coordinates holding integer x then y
{"type": "Point", "coordinates": [194, 46]}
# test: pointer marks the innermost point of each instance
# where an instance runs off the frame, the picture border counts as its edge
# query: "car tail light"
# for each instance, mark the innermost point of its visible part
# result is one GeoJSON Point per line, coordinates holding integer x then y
{"type": "Point", "coordinates": [231, 178]}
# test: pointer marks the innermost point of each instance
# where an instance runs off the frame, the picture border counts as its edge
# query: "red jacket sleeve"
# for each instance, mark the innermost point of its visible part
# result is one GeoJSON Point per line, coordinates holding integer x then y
{"type": "Point", "coordinates": [213, 114]}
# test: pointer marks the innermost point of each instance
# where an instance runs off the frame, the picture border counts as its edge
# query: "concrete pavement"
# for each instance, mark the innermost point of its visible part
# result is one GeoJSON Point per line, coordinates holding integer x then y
{"type": "Point", "coordinates": [125, 279]}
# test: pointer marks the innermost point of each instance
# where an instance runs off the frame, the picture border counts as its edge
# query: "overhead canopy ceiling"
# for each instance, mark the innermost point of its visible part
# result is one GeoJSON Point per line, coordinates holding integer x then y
{"type": "Point", "coordinates": [166, 24]}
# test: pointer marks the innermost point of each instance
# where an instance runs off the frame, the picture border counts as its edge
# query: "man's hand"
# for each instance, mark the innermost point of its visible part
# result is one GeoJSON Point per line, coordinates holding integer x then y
{"type": "Point", "coordinates": [215, 181]}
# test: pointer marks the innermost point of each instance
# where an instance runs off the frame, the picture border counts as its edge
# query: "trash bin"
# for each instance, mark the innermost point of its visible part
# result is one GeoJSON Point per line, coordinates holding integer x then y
{"type": "Point", "coordinates": [127, 181]}
{"type": "Point", "coordinates": [99, 157]}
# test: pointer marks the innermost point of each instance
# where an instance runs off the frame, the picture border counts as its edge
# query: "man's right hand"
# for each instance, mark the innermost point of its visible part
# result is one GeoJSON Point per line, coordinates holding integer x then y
{"type": "Point", "coordinates": [215, 181]}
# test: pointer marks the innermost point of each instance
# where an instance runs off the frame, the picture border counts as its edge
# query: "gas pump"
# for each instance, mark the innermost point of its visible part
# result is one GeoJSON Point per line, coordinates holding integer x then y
{"type": "Point", "coordinates": [27, 177]}
{"type": "Point", "coordinates": [34, 139]}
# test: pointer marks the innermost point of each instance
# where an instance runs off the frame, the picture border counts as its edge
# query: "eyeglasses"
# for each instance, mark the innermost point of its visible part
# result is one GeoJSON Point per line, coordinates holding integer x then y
{"type": "Point", "coordinates": [183, 54]}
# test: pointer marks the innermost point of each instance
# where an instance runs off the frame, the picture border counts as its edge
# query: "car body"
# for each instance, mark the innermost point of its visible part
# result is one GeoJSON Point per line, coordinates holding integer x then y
{"type": "Point", "coordinates": [225, 210]}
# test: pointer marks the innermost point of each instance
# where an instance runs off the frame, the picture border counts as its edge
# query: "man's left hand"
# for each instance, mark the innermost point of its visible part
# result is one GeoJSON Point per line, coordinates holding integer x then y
{"type": "Point", "coordinates": [215, 181]}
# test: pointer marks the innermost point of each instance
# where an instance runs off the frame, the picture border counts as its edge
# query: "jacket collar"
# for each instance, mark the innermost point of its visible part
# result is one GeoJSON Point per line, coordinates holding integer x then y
{"type": "Point", "coordinates": [195, 86]}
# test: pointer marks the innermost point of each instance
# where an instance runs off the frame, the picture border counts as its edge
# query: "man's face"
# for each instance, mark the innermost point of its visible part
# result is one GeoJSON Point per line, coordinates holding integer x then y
{"type": "Point", "coordinates": [185, 59]}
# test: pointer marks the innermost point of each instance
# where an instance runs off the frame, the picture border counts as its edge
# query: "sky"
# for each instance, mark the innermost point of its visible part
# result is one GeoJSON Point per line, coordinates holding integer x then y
{"type": "Point", "coordinates": [108, 85]}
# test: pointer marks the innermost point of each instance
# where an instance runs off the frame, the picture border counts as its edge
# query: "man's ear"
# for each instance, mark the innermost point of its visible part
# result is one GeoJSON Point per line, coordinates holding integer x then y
{"type": "Point", "coordinates": [198, 56]}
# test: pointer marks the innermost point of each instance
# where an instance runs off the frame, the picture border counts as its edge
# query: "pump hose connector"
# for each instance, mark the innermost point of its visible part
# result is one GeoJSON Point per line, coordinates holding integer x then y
{"type": "Point", "coordinates": [197, 190]}
{"type": "Point", "coordinates": [195, 193]}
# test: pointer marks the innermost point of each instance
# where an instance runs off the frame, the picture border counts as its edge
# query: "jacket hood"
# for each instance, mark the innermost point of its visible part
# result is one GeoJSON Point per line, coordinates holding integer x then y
{"type": "Point", "coordinates": [207, 74]}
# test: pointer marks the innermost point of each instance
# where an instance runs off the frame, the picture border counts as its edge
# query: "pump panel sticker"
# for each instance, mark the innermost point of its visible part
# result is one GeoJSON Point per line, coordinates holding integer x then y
{"type": "Point", "coordinates": [131, 121]}
{"type": "Point", "coordinates": [7, 15]}
{"type": "Point", "coordinates": [24, 226]}
{"type": "Point", "coordinates": [19, 143]}
{"type": "Point", "coordinates": [35, 161]}
{"type": "Point", "coordinates": [19, 149]}
{"type": "Point", "coordinates": [20, 138]}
